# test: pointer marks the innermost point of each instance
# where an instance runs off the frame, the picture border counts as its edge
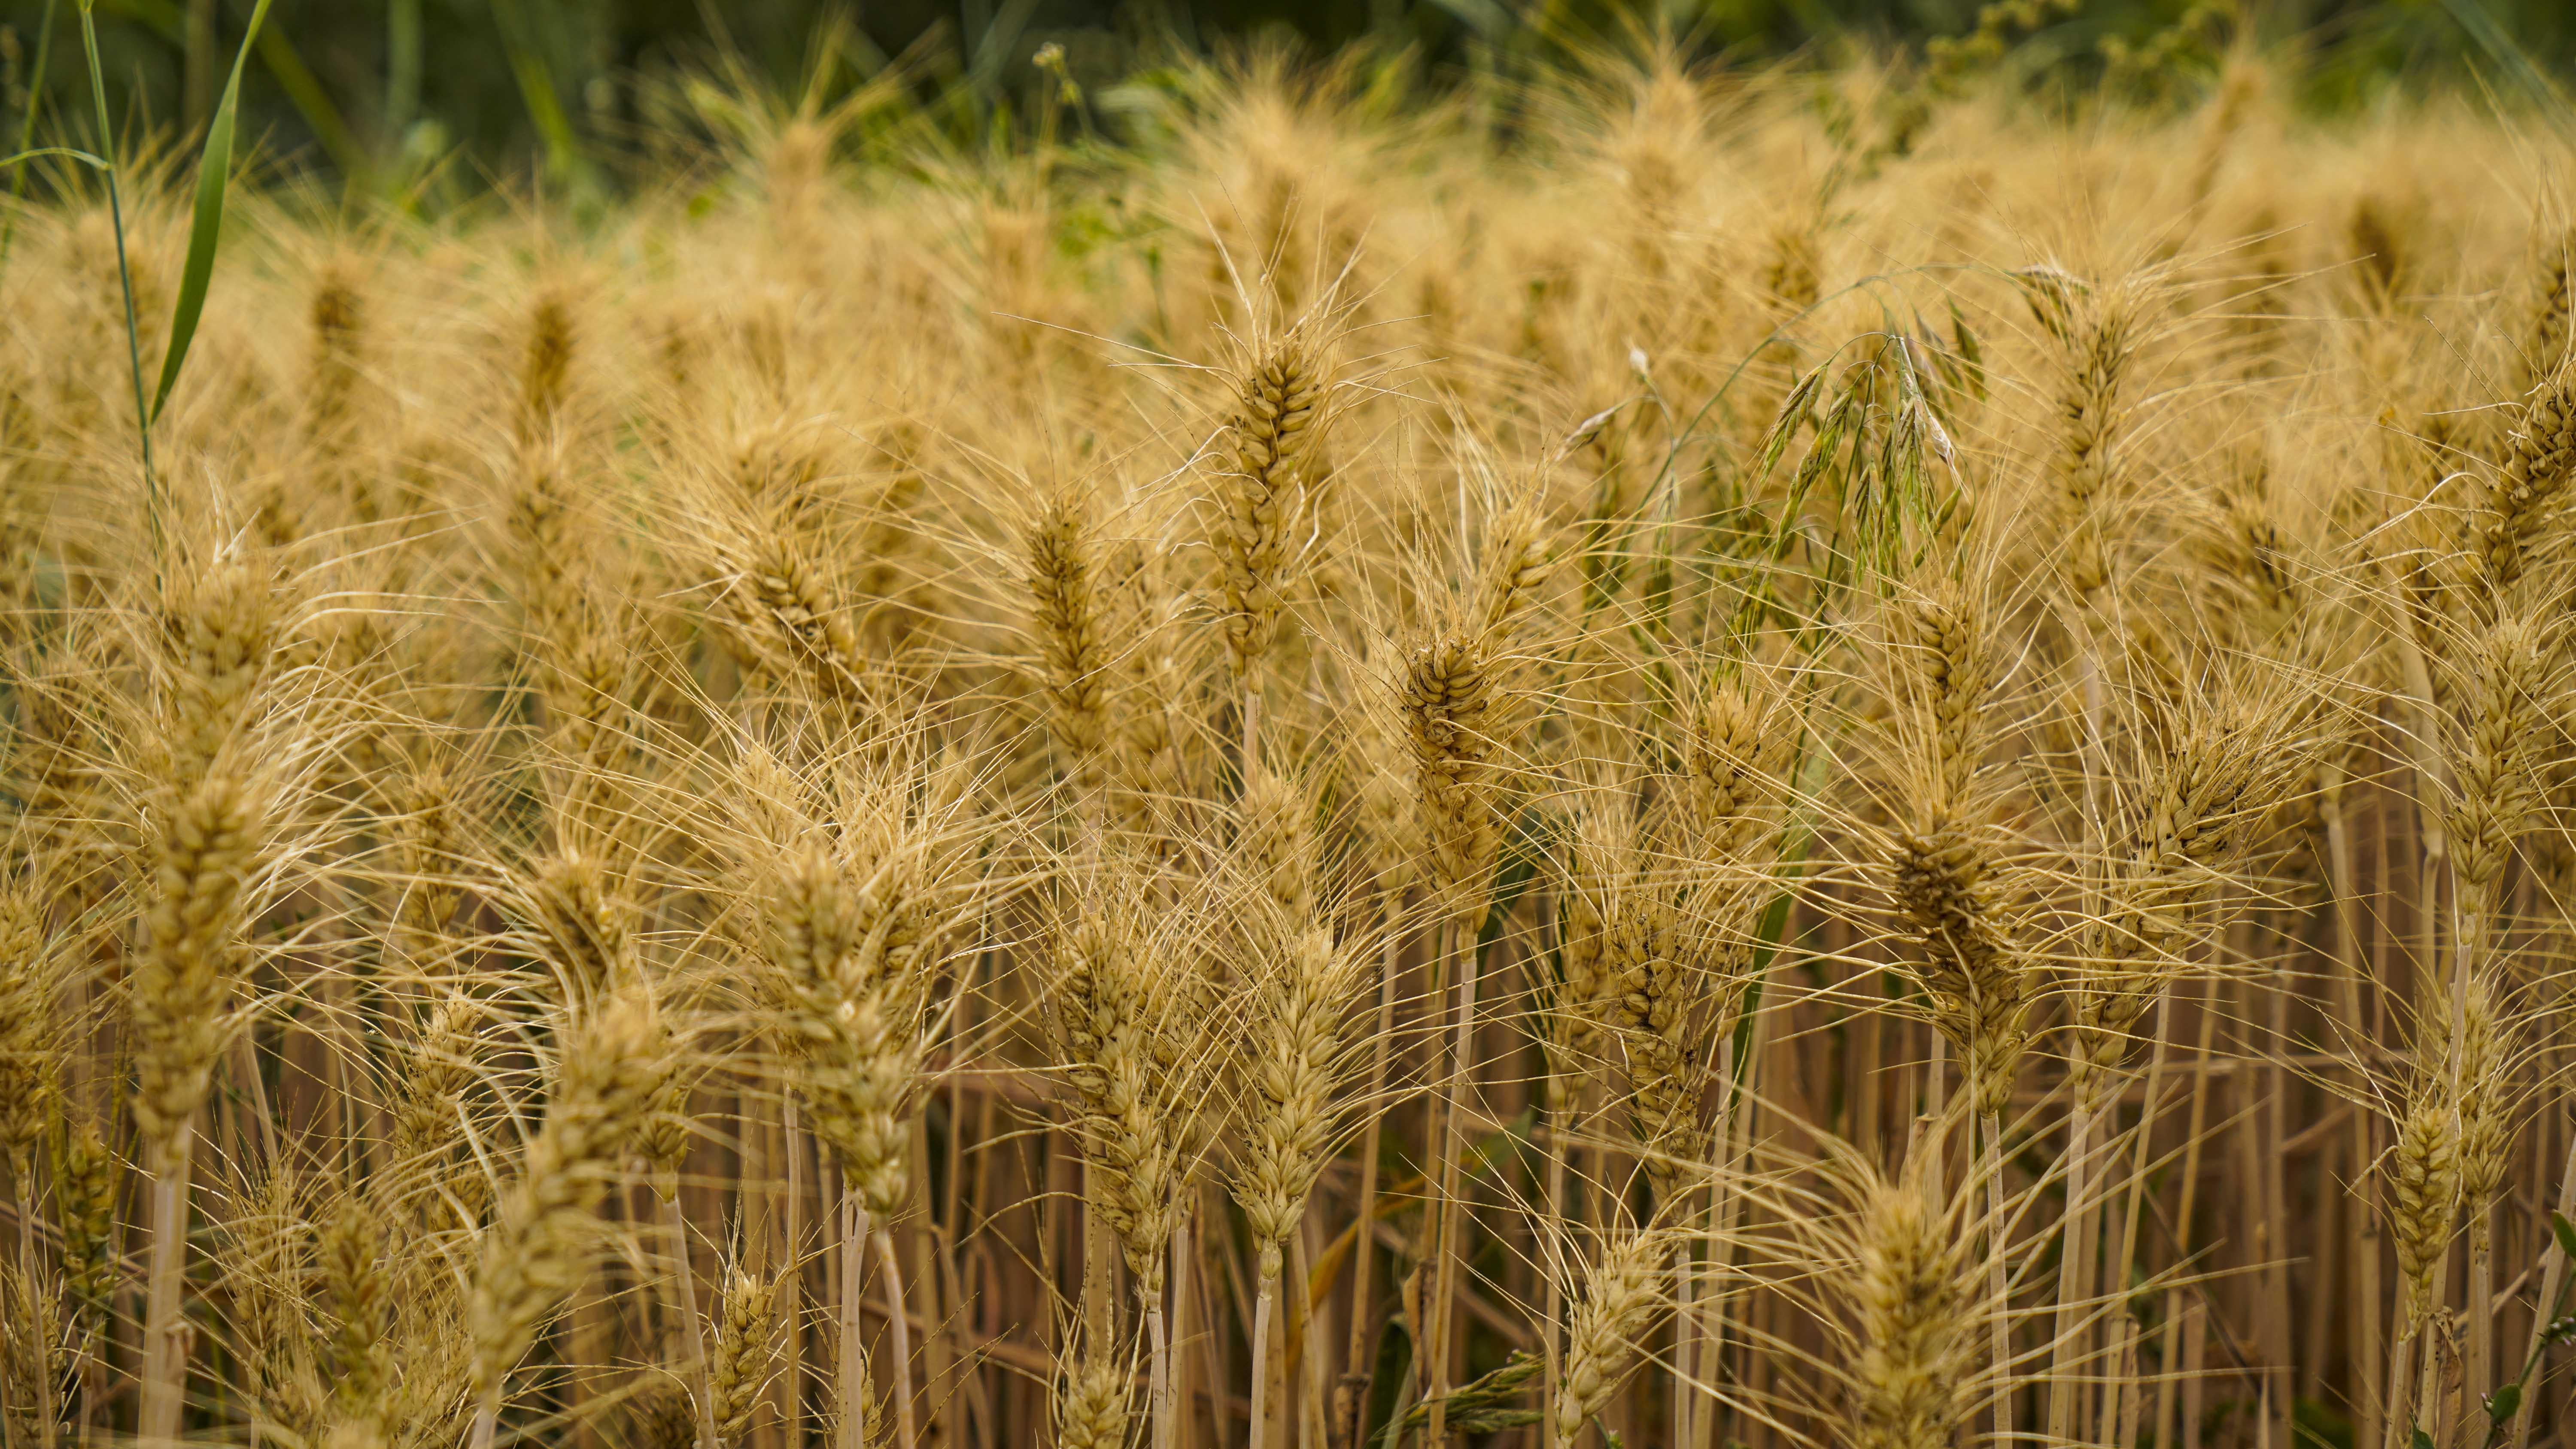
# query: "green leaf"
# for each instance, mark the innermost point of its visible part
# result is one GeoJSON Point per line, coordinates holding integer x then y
{"type": "Point", "coordinates": [214, 173]}
{"type": "Point", "coordinates": [2503, 1402]}
{"type": "Point", "coordinates": [76, 155]}
{"type": "Point", "coordinates": [2420, 1440]}
{"type": "Point", "coordinates": [2565, 1232]}
{"type": "Point", "coordinates": [537, 90]}
{"type": "Point", "coordinates": [285, 66]}
{"type": "Point", "coordinates": [1609, 1436]}
{"type": "Point", "coordinates": [1971, 356]}
{"type": "Point", "coordinates": [1388, 1391]}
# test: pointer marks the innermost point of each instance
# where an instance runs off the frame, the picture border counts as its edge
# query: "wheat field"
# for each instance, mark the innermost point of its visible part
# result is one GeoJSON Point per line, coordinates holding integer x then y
{"type": "Point", "coordinates": [1673, 756]}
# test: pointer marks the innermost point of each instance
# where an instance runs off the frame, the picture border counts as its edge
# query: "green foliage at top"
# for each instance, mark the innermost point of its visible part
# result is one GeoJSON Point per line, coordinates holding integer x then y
{"type": "Point", "coordinates": [419, 100]}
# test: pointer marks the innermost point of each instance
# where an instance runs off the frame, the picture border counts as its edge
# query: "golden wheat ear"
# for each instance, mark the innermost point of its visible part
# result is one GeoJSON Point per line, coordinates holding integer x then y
{"type": "Point", "coordinates": [1269, 461]}
{"type": "Point", "coordinates": [1094, 1394]}
{"type": "Point", "coordinates": [1912, 1296]}
{"type": "Point", "coordinates": [612, 1063]}
{"type": "Point", "coordinates": [1620, 1293]}
{"type": "Point", "coordinates": [745, 1354]}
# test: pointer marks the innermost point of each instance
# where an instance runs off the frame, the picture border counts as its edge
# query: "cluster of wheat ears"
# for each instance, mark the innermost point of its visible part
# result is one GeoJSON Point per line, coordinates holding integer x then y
{"type": "Point", "coordinates": [1689, 773]}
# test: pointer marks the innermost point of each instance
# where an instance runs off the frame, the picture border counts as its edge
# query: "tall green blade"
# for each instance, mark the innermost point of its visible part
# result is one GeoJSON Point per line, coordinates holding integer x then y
{"type": "Point", "coordinates": [27, 132]}
{"type": "Point", "coordinates": [214, 170]}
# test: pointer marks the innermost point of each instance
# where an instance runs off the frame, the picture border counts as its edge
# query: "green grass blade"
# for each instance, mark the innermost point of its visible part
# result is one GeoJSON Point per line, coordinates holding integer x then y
{"type": "Point", "coordinates": [537, 90]}
{"type": "Point", "coordinates": [74, 152]}
{"type": "Point", "coordinates": [124, 281]}
{"type": "Point", "coordinates": [285, 66]}
{"type": "Point", "coordinates": [214, 172]}
{"type": "Point", "coordinates": [27, 132]}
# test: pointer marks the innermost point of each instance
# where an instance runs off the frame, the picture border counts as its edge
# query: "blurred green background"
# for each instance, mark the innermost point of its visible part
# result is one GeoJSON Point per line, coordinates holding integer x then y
{"type": "Point", "coordinates": [493, 87]}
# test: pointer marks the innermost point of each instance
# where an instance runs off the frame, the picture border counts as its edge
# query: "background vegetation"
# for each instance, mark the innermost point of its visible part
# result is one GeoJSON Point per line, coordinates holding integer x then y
{"type": "Point", "coordinates": [380, 89]}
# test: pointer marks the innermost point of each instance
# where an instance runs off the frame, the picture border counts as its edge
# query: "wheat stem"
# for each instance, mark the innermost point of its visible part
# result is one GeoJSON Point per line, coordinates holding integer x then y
{"type": "Point", "coordinates": [2553, 1279]}
{"type": "Point", "coordinates": [1348, 1408]}
{"type": "Point", "coordinates": [1261, 1362]}
{"type": "Point", "coordinates": [165, 1371]}
{"type": "Point", "coordinates": [2368, 1347]}
{"type": "Point", "coordinates": [1998, 1285]}
{"type": "Point", "coordinates": [854, 1365]}
{"type": "Point", "coordinates": [1459, 945]}
{"type": "Point", "coordinates": [2075, 1272]}
{"type": "Point", "coordinates": [1159, 1385]}
{"type": "Point", "coordinates": [1683, 1270]}
{"type": "Point", "coordinates": [787, 1289]}
{"type": "Point", "coordinates": [48, 1418]}
{"type": "Point", "coordinates": [899, 1329]}
{"type": "Point", "coordinates": [1305, 1352]}
{"type": "Point", "coordinates": [2192, 1140]}
{"type": "Point", "coordinates": [685, 1277]}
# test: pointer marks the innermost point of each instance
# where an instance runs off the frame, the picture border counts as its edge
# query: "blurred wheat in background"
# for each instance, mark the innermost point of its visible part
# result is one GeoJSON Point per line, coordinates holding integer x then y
{"type": "Point", "coordinates": [1652, 754]}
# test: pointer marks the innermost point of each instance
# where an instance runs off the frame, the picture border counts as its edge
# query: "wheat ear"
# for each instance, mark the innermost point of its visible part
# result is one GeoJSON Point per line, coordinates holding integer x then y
{"type": "Point", "coordinates": [210, 843]}
{"type": "Point", "coordinates": [1611, 1316]}
{"type": "Point", "coordinates": [1269, 461]}
{"type": "Point", "coordinates": [1911, 1294]}
{"type": "Point", "coordinates": [1298, 1028]}
{"type": "Point", "coordinates": [612, 1065]}
{"type": "Point", "coordinates": [1093, 1397]}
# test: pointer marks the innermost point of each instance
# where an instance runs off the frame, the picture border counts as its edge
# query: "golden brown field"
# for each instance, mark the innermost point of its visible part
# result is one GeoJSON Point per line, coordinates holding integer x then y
{"type": "Point", "coordinates": [1704, 770]}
